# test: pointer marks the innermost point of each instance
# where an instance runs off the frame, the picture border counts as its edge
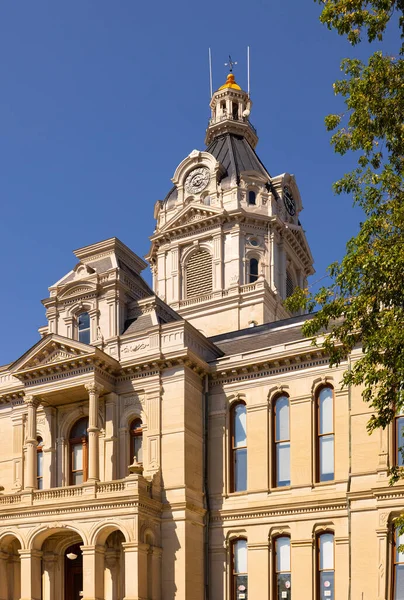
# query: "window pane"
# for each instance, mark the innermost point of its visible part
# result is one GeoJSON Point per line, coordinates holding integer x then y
{"type": "Point", "coordinates": [327, 458]}
{"type": "Point", "coordinates": [251, 197]}
{"type": "Point", "coordinates": [284, 586]}
{"type": "Point", "coordinates": [40, 484]}
{"type": "Point", "coordinates": [283, 554]}
{"type": "Point", "coordinates": [240, 470]}
{"type": "Point", "coordinates": [77, 457]}
{"type": "Point", "coordinates": [39, 464]}
{"type": "Point", "coordinates": [326, 551]}
{"type": "Point", "coordinates": [138, 448]}
{"type": "Point", "coordinates": [79, 429]}
{"type": "Point", "coordinates": [283, 463]}
{"type": "Point", "coordinates": [253, 270]}
{"type": "Point", "coordinates": [400, 441]}
{"type": "Point", "coordinates": [84, 321]}
{"type": "Point", "coordinates": [282, 418]}
{"type": "Point", "coordinates": [240, 556]}
{"type": "Point", "coordinates": [326, 411]}
{"type": "Point", "coordinates": [399, 583]}
{"type": "Point", "coordinates": [240, 426]}
{"type": "Point", "coordinates": [399, 542]}
{"type": "Point", "coordinates": [84, 336]}
{"type": "Point", "coordinates": [327, 585]}
{"type": "Point", "coordinates": [77, 478]}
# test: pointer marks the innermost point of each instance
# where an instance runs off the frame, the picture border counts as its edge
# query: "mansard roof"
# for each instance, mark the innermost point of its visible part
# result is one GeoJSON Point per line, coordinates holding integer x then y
{"type": "Point", "coordinates": [236, 155]}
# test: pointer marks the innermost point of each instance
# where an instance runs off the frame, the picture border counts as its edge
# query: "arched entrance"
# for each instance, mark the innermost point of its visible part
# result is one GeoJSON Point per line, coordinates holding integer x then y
{"type": "Point", "coordinates": [73, 566]}
{"type": "Point", "coordinates": [10, 568]}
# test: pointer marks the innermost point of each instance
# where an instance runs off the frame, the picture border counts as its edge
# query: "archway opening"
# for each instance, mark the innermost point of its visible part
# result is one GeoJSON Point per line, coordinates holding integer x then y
{"type": "Point", "coordinates": [10, 568]}
{"type": "Point", "coordinates": [73, 563]}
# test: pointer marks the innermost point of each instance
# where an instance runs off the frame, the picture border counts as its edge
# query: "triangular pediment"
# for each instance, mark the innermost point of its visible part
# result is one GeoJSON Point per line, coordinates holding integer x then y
{"type": "Point", "coordinates": [51, 350]}
{"type": "Point", "coordinates": [191, 214]}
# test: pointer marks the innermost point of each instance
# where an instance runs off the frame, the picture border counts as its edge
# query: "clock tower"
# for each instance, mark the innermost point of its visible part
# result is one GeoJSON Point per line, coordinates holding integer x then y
{"type": "Point", "coordinates": [229, 247]}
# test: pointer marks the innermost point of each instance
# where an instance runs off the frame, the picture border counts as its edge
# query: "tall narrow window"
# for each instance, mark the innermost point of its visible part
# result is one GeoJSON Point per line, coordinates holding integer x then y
{"type": "Point", "coordinates": [239, 583]}
{"type": "Point", "coordinates": [235, 111]}
{"type": "Point", "coordinates": [39, 463]}
{"type": "Point", "coordinates": [282, 588]}
{"type": "Point", "coordinates": [325, 427]}
{"type": "Point", "coordinates": [398, 567]}
{"type": "Point", "coordinates": [253, 270]}
{"type": "Point", "coordinates": [251, 197]}
{"type": "Point", "coordinates": [239, 448]}
{"type": "Point", "coordinates": [136, 441]}
{"type": "Point", "coordinates": [78, 452]}
{"type": "Point", "coordinates": [84, 327]}
{"type": "Point", "coordinates": [325, 566]}
{"type": "Point", "coordinates": [282, 442]}
{"type": "Point", "coordinates": [399, 440]}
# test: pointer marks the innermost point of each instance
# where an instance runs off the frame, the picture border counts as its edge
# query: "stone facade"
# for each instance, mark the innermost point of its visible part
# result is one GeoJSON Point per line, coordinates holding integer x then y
{"type": "Point", "coordinates": [157, 496]}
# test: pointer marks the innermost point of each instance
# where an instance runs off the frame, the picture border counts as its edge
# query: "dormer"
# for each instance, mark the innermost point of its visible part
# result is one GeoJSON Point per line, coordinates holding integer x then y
{"type": "Point", "coordinates": [92, 302]}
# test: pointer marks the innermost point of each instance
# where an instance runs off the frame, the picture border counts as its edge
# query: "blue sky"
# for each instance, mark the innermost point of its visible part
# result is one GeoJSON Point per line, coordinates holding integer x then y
{"type": "Point", "coordinates": [101, 100]}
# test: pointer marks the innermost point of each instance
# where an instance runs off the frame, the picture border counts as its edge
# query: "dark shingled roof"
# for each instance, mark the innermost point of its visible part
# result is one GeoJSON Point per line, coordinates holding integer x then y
{"type": "Point", "coordinates": [261, 336]}
{"type": "Point", "coordinates": [236, 155]}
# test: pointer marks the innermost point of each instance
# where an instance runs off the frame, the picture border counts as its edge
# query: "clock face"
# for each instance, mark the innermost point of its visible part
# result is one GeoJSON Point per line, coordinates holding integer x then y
{"type": "Point", "coordinates": [197, 180]}
{"type": "Point", "coordinates": [289, 201]}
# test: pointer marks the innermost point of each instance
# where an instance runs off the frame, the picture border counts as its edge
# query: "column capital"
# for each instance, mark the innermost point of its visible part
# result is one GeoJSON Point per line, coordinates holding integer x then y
{"type": "Point", "coordinates": [94, 388]}
{"type": "Point", "coordinates": [33, 553]}
{"type": "Point", "coordinates": [32, 401]}
{"type": "Point", "coordinates": [97, 549]}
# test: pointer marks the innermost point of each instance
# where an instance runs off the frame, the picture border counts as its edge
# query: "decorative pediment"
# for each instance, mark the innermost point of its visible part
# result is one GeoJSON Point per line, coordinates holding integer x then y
{"type": "Point", "coordinates": [190, 215]}
{"type": "Point", "coordinates": [77, 289]}
{"type": "Point", "coordinates": [51, 350]}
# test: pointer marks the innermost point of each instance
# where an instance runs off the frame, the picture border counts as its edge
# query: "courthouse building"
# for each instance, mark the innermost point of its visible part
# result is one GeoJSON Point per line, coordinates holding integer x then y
{"type": "Point", "coordinates": [188, 442]}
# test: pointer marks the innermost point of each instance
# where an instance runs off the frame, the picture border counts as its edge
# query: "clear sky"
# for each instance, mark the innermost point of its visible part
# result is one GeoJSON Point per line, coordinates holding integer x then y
{"type": "Point", "coordinates": [100, 100]}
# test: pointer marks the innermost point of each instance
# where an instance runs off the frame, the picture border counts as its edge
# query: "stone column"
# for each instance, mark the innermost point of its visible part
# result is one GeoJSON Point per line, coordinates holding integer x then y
{"type": "Point", "coordinates": [135, 570]}
{"type": "Point", "coordinates": [49, 562]}
{"type": "Point", "coordinates": [156, 572]}
{"type": "Point", "coordinates": [61, 462]}
{"type": "Point", "coordinates": [110, 437]}
{"type": "Point", "coordinates": [94, 391]}
{"type": "Point", "coordinates": [4, 595]}
{"type": "Point", "coordinates": [93, 572]}
{"type": "Point", "coordinates": [111, 577]}
{"type": "Point", "coordinates": [31, 443]}
{"type": "Point", "coordinates": [30, 574]}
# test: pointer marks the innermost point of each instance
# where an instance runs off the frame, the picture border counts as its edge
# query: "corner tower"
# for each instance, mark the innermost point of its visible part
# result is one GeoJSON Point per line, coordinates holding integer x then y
{"type": "Point", "coordinates": [228, 247]}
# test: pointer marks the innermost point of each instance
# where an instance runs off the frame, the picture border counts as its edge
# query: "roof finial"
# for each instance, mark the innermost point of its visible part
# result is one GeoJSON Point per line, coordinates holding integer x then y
{"type": "Point", "coordinates": [230, 64]}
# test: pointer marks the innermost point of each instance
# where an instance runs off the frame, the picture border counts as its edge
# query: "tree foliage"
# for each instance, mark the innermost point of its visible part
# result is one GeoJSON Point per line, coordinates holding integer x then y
{"type": "Point", "coordinates": [365, 302]}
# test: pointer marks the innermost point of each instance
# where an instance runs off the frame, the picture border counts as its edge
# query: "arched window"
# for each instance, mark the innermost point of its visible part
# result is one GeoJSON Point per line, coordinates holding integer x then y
{"type": "Point", "coordinates": [198, 274]}
{"type": "Point", "coordinates": [136, 441]}
{"type": "Point", "coordinates": [325, 434]}
{"type": "Point", "coordinates": [399, 440]}
{"type": "Point", "coordinates": [252, 197]}
{"type": "Point", "coordinates": [239, 572]}
{"type": "Point", "coordinates": [238, 475]}
{"type": "Point", "coordinates": [235, 111]}
{"type": "Point", "coordinates": [290, 286]}
{"type": "Point", "coordinates": [283, 583]}
{"type": "Point", "coordinates": [78, 443]}
{"type": "Point", "coordinates": [398, 566]}
{"type": "Point", "coordinates": [39, 463]}
{"type": "Point", "coordinates": [253, 275]}
{"type": "Point", "coordinates": [83, 326]}
{"type": "Point", "coordinates": [282, 441]}
{"type": "Point", "coordinates": [325, 566]}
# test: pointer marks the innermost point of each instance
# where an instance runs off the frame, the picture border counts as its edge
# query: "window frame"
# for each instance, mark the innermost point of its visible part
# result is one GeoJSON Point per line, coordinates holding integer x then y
{"type": "Point", "coordinates": [83, 440]}
{"type": "Point", "coordinates": [321, 435]}
{"type": "Point", "coordinates": [233, 573]}
{"type": "Point", "coordinates": [319, 534]}
{"type": "Point", "coordinates": [394, 562]}
{"type": "Point", "coordinates": [133, 434]}
{"type": "Point", "coordinates": [234, 449]}
{"type": "Point", "coordinates": [86, 329]}
{"type": "Point", "coordinates": [249, 196]}
{"type": "Point", "coordinates": [256, 276]}
{"type": "Point", "coordinates": [276, 442]}
{"type": "Point", "coordinates": [275, 571]}
{"type": "Point", "coordinates": [39, 456]}
{"type": "Point", "coordinates": [396, 452]}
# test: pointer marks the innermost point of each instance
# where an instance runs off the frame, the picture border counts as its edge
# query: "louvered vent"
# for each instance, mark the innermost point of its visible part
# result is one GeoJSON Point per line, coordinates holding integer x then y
{"type": "Point", "coordinates": [289, 285]}
{"type": "Point", "coordinates": [198, 275]}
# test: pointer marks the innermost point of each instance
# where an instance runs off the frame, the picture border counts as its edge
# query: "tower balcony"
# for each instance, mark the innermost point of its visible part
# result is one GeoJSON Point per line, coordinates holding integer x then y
{"type": "Point", "coordinates": [234, 124]}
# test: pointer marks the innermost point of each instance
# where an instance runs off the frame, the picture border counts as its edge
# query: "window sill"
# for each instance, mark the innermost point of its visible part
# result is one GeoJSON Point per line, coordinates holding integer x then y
{"type": "Point", "coordinates": [235, 494]}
